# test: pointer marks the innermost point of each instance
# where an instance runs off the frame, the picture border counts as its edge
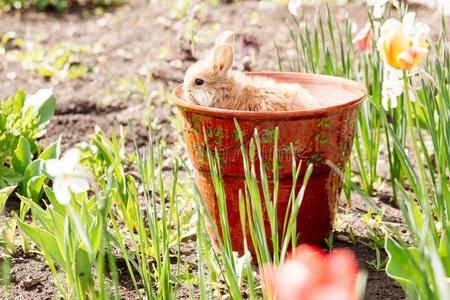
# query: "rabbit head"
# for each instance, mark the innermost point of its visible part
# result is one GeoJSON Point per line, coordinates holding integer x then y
{"type": "Point", "coordinates": [206, 81]}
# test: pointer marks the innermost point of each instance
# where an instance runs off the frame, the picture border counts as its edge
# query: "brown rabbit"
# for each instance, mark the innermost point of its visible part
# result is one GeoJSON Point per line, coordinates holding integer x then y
{"type": "Point", "coordinates": [210, 82]}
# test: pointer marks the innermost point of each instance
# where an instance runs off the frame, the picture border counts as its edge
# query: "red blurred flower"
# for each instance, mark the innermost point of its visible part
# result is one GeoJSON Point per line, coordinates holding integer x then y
{"type": "Point", "coordinates": [311, 274]}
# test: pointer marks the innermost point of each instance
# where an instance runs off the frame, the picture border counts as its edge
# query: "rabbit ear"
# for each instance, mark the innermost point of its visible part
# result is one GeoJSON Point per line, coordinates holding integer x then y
{"type": "Point", "coordinates": [222, 57]}
{"type": "Point", "coordinates": [226, 37]}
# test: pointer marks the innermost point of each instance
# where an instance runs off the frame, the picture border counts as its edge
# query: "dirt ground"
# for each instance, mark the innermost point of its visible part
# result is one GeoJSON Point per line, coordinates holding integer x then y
{"type": "Point", "coordinates": [143, 38]}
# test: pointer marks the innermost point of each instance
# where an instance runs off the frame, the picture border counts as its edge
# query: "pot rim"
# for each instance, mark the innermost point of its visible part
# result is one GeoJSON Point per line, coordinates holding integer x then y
{"type": "Point", "coordinates": [359, 92]}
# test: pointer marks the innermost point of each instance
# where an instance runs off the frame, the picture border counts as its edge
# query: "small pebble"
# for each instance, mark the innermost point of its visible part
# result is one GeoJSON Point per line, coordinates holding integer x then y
{"type": "Point", "coordinates": [342, 238]}
{"type": "Point", "coordinates": [30, 282]}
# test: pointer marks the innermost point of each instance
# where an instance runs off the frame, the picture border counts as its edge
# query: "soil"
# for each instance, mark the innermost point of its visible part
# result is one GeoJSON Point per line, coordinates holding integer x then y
{"type": "Point", "coordinates": [143, 38]}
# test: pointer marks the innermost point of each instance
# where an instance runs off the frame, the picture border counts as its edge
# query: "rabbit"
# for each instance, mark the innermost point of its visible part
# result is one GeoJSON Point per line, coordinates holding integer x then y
{"type": "Point", "coordinates": [210, 82]}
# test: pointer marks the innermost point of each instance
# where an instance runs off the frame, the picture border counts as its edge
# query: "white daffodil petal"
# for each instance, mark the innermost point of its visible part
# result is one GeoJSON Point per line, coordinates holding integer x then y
{"type": "Point", "coordinates": [61, 190]}
{"type": "Point", "coordinates": [70, 160]}
{"type": "Point", "coordinates": [396, 89]}
{"type": "Point", "coordinates": [54, 167]}
{"type": "Point", "coordinates": [408, 20]}
{"type": "Point", "coordinates": [378, 11]}
{"type": "Point", "coordinates": [293, 6]}
{"type": "Point", "coordinates": [78, 184]}
{"type": "Point", "coordinates": [394, 102]}
{"type": "Point", "coordinates": [412, 95]}
{"type": "Point", "coordinates": [376, 2]}
{"type": "Point", "coordinates": [421, 28]}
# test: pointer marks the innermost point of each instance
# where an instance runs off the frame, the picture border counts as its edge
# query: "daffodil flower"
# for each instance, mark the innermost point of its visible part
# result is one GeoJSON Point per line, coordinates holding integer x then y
{"type": "Point", "coordinates": [392, 88]}
{"type": "Point", "coordinates": [379, 6]}
{"type": "Point", "coordinates": [403, 44]}
{"type": "Point", "coordinates": [294, 5]}
{"type": "Point", "coordinates": [68, 176]}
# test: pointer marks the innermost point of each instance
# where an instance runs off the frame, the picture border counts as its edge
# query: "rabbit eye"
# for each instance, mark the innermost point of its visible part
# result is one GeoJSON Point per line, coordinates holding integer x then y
{"type": "Point", "coordinates": [199, 81]}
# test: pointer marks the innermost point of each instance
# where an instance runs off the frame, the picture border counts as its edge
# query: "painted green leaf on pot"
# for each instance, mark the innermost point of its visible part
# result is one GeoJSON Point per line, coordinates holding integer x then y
{"type": "Point", "coordinates": [323, 140]}
{"type": "Point", "coordinates": [315, 157]}
{"type": "Point", "coordinates": [209, 132]}
{"type": "Point", "coordinates": [235, 135]}
{"type": "Point", "coordinates": [323, 122]}
{"type": "Point", "coordinates": [268, 135]}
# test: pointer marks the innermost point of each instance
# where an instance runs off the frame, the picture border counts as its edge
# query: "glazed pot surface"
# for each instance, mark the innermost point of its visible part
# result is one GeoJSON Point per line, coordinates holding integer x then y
{"type": "Point", "coordinates": [316, 135]}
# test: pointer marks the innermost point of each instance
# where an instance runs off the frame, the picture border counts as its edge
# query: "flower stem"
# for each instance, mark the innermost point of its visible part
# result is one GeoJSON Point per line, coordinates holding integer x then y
{"type": "Point", "coordinates": [410, 125]}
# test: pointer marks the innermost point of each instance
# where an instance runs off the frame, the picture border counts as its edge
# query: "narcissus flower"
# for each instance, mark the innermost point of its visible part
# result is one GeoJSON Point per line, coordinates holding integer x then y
{"type": "Point", "coordinates": [403, 44]}
{"type": "Point", "coordinates": [68, 176]}
{"type": "Point", "coordinates": [311, 274]}
{"type": "Point", "coordinates": [294, 6]}
{"type": "Point", "coordinates": [380, 5]}
{"type": "Point", "coordinates": [392, 88]}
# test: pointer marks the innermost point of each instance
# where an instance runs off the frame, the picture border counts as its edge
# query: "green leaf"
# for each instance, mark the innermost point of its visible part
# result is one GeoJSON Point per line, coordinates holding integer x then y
{"type": "Point", "coordinates": [45, 71]}
{"type": "Point", "coordinates": [58, 223]}
{"type": "Point", "coordinates": [61, 209]}
{"type": "Point", "coordinates": [4, 194]}
{"type": "Point", "coordinates": [35, 168]}
{"type": "Point", "coordinates": [83, 268]}
{"type": "Point", "coordinates": [38, 212]}
{"type": "Point", "coordinates": [95, 234]}
{"type": "Point", "coordinates": [45, 240]}
{"type": "Point", "coordinates": [22, 155]}
{"type": "Point", "coordinates": [34, 187]}
{"type": "Point", "coordinates": [398, 265]}
{"type": "Point", "coordinates": [45, 108]}
{"type": "Point", "coordinates": [61, 60]}
{"type": "Point", "coordinates": [77, 71]}
{"type": "Point", "coordinates": [52, 151]}
{"type": "Point", "coordinates": [444, 250]}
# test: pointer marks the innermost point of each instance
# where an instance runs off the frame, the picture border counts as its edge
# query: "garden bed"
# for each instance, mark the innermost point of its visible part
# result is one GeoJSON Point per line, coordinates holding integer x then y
{"type": "Point", "coordinates": [137, 48]}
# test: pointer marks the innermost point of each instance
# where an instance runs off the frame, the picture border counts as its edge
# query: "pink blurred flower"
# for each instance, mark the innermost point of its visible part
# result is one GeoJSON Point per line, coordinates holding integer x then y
{"type": "Point", "coordinates": [311, 274]}
{"type": "Point", "coordinates": [363, 39]}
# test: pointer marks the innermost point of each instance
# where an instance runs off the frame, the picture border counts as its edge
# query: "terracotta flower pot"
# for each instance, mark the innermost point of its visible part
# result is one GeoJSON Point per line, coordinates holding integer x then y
{"type": "Point", "coordinates": [316, 135]}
